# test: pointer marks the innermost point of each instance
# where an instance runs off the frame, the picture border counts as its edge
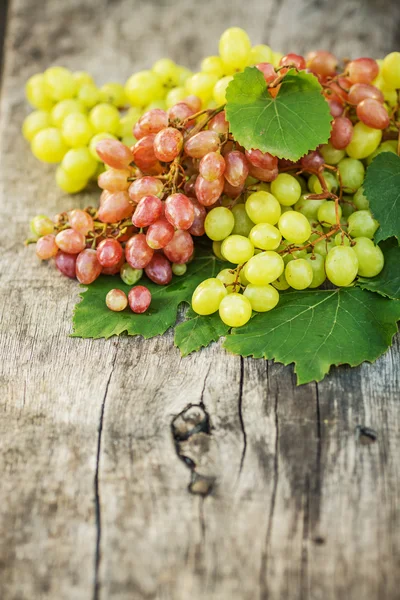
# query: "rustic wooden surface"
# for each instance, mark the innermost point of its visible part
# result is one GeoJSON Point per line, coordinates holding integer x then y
{"type": "Point", "coordinates": [302, 502]}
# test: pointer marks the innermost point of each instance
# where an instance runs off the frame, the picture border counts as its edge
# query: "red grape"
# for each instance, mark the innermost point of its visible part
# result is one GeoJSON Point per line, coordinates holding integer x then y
{"type": "Point", "coordinates": [137, 252]}
{"type": "Point", "coordinates": [263, 160]}
{"type": "Point", "coordinates": [180, 112]}
{"type": "Point", "coordinates": [322, 63]}
{"type": "Point", "coordinates": [159, 234]}
{"type": "Point", "coordinates": [180, 248]}
{"type": "Point", "coordinates": [168, 144]}
{"type": "Point", "coordinates": [81, 221]}
{"type": "Point", "coordinates": [46, 247]}
{"type": "Point", "coordinates": [139, 299]}
{"type": "Point", "coordinates": [148, 210]}
{"type": "Point", "coordinates": [70, 241]}
{"type": "Point", "coordinates": [336, 108]}
{"type": "Point", "coordinates": [208, 192]}
{"type": "Point", "coordinates": [66, 264]}
{"type": "Point", "coordinates": [200, 214]}
{"type": "Point", "coordinates": [373, 114]}
{"type": "Point", "coordinates": [268, 71]}
{"type": "Point", "coordinates": [212, 166]}
{"type": "Point", "coordinates": [231, 190]}
{"type": "Point", "coordinates": [145, 186]}
{"type": "Point", "coordinates": [293, 60]}
{"type": "Point", "coordinates": [263, 174]}
{"type": "Point", "coordinates": [114, 153]}
{"type": "Point", "coordinates": [312, 160]}
{"type": "Point", "coordinates": [179, 211]}
{"type": "Point", "coordinates": [362, 70]}
{"type": "Point", "coordinates": [219, 124]}
{"type": "Point", "coordinates": [152, 121]}
{"type": "Point", "coordinates": [362, 91]}
{"type": "Point", "coordinates": [236, 168]}
{"type": "Point", "coordinates": [88, 267]}
{"type": "Point", "coordinates": [114, 269]}
{"type": "Point", "coordinates": [159, 269]}
{"type": "Point", "coordinates": [114, 180]}
{"type": "Point", "coordinates": [342, 132]}
{"type": "Point", "coordinates": [201, 143]}
{"type": "Point", "coordinates": [193, 102]}
{"type": "Point", "coordinates": [109, 252]}
{"type": "Point", "coordinates": [143, 152]}
{"type": "Point", "coordinates": [116, 300]}
{"type": "Point", "coordinates": [115, 208]}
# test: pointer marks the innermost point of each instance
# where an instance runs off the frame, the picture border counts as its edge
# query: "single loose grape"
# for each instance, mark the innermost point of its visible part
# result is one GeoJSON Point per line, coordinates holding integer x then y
{"type": "Point", "coordinates": [265, 236]}
{"type": "Point", "coordinates": [262, 297]}
{"type": "Point", "coordinates": [341, 265]}
{"type": "Point", "coordinates": [237, 249]}
{"type": "Point", "coordinates": [139, 299]}
{"type": "Point", "coordinates": [365, 141]}
{"type": "Point", "coordinates": [116, 300]}
{"type": "Point", "coordinates": [264, 268]}
{"type": "Point", "coordinates": [362, 224]}
{"type": "Point", "coordinates": [286, 189]}
{"type": "Point", "coordinates": [327, 212]}
{"type": "Point", "coordinates": [317, 262]}
{"type": "Point", "coordinates": [294, 227]}
{"type": "Point", "coordinates": [48, 145]}
{"type": "Point", "coordinates": [35, 122]}
{"type": "Point", "coordinates": [235, 310]}
{"type": "Point", "coordinates": [207, 296]}
{"type": "Point", "coordinates": [299, 274]}
{"type": "Point", "coordinates": [219, 223]}
{"type": "Point", "coordinates": [263, 207]}
{"type": "Point", "coordinates": [229, 279]}
{"type": "Point", "coordinates": [370, 257]}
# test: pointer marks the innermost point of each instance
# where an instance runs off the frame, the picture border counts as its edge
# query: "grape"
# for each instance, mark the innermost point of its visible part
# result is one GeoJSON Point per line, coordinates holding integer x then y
{"type": "Point", "coordinates": [145, 186]}
{"type": "Point", "coordinates": [168, 144]}
{"type": "Point", "coordinates": [235, 48]}
{"type": "Point", "coordinates": [37, 92]}
{"type": "Point", "coordinates": [69, 184]}
{"type": "Point", "coordinates": [88, 268]}
{"type": "Point", "coordinates": [370, 257]}
{"type": "Point", "coordinates": [35, 122]}
{"type": "Point", "coordinates": [299, 274]}
{"type": "Point", "coordinates": [95, 140]}
{"type": "Point", "coordinates": [66, 264]}
{"type": "Point", "coordinates": [82, 78]}
{"type": "Point", "coordinates": [143, 152]}
{"type": "Point", "coordinates": [109, 252]}
{"type": "Point", "coordinates": [129, 275]}
{"type": "Point", "coordinates": [148, 210]}
{"type": "Point", "coordinates": [335, 107]}
{"type": "Point", "coordinates": [362, 70]}
{"type": "Point", "coordinates": [263, 160]}
{"type": "Point", "coordinates": [262, 297]}
{"type": "Point", "coordinates": [207, 296]}
{"type": "Point", "coordinates": [180, 112]}
{"type": "Point", "coordinates": [324, 246]}
{"type": "Point", "coordinates": [48, 145]}
{"type": "Point", "coordinates": [387, 146]}
{"type": "Point", "coordinates": [64, 108]}
{"type": "Point", "coordinates": [138, 253]}
{"type": "Point", "coordinates": [327, 212]}
{"type": "Point", "coordinates": [152, 121]}
{"type": "Point", "coordinates": [260, 53]}
{"type": "Point", "coordinates": [235, 310]}
{"type": "Point", "coordinates": [231, 191]}
{"type": "Point", "coordinates": [331, 155]}
{"type": "Point", "coordinates": [115, 268]}
{"type": "Point", "coordinates": [293, 254]}
{"type": "Point", "coordinates": [263, 207]}
{"type": "Point", "coordinates": [341, 240]}
{"type": "Point", "coordinates": [208, 192]}
{"type": "Point", "coordinates": [219, 223]}
{"type": "Point", "coordinates": [308, 207]}
{"type": "Point", "coordinates": [280, 283]}
{"type": "Point", "coordinates": [201, 85]}
{"type": "Point", "coordinates": [264, 268]}
{"type": "Point", "coordinates": [89, 95]}
{"type": "Point", "coordinates": [243, 224]}
{"type": "Point", "coordinates": [237, 249]}
{"type": "Point", "coordinates": [179, 270]}
{"type": "Point", "coordinates": [179, 211]}
{"type": "Point", "coordinates": [41, 225]}
{"type": "Point", "coordinates": [317, 262]}
{"type": "Point", "coordinates": [265, 236]}
{"type": "Point", "coordinates": [46, 247]}
{"type": "Point", "coordinates": [373, 113]}
{"type": "Point", "coordinates": [168, 71]}
{"type": "Point", "coordinates": [180, 249]}
{"type": "Point", "coordinates": [159, 234]}
{"type": "Point", "coordinates": [115, 208]}
{"type": "Point", "coordinates": [70, 241]}
{"type": "Point", "coordinates": [286, 189]}
{"type": "Point", "coordinates": [360, 200]}
{"type": "Point", "coordinates": [104, 117]}
{"type": "Point", "coordinates": [341, 265]}
{"type": "Point", "coordinates": [313, 160]}
{"type": "Point", "coordinates": [268, 70]}
{"type": "Point", "coordinates": [365, 140]}
{"type": "Point", "coordinates": [314, 184]}
{"type": "Point", "coordinates": [113, 93]}
{"type": "Point", "coordinates": [76, 130]}
{"type": "Point", "coordinates": [219, 91]}
{"type": "Point", "coordinates": [213, 65]}
{"type": "Point", "coordinates": [116, 300]}
{"type": "Point", "coordinates": [219, 124]}
{"type": "Point", "coordinates": [80, 221]}
{"type": "Point", "coordinates": [174, 97]}
{"type": "Point", "coordinates": [194, 102]}
{"type": "Point", "coordinates": [200, 213]}
{"type": "Point", "coordinates": [144, 87]}
{"type": "Point", "coordinates": [229, 279]}
{"type": "Point", "coordinates": [362, 91]}
{"type": "Point", "coordinates": [212, 166]}
{"type": "Point", "coordinates": [79, 164]}
{"type": "Point", "coordinates": [159, 269]}
{"type": "Point", "coordinates": [60, 83]}
{"type": "Point", "coordinates": [293, 60]}
{"type": "Point", "coordinates": [362, 224]}
{"type": "Point", "coordinates": [139, 299]}
{"type": "Point", "coordinates": [114, 153]}
{"type": "Point", "coordinates": [294, 227]}
{"type": "Point", "coordinates": [236, 169]}
{"type": "Point", "coordinates": [342, 132]}
{"type": "Point", "coordinates": [352, 172]}
{"type": "Point", "coordinates": [263, 174]}
{"type": "Point", "coordinates": [201, 143]}
{"type": "Point", "coordinates": [391, 70]}
{"type": "Point", "coordinates": [114, 180]}
{"type": "Point", "coordinates": [322, 63]}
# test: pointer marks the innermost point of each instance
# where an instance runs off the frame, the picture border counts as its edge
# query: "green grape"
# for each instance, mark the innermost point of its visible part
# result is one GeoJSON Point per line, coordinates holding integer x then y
{"type": "Point", "coordinates": [41, 225]}
{"type": "Point", "coordinates": [168, 72]}
{"type": "Point", "coordinates": [243, 224]}
{"type": "Point", "coordinates": [143, 87]}
{"type": "Point", "coordinates": [307, 207]}
{"type": "Point", "coordinates": [178, 269]}
{"type": "Point", "coordinates": [294, 227]}
{"type": "Point", "coordinates": [327, 212]}
{"type": "Point", "coordinates": [299, 274]}
{"type": "Point", "coordinates": [76, 130]}
{"type": "Point", "coordinates": [364, 142]}
{"type": "Point", "coordinates": [352, 172]}
{"type": "Point", "coordinates": [391, 70]}
{"type": "Point", "coordinates": [207, 296]}
{"type": "Point", "coordinates": [99, 170]}
{"type": "Point", "coordinates": [286, 209]}
{"type": "Point", "coordinates": [262, 297]}
{"type": "Point", "coordinates": [370, 257]}
{"type": "Point", "coordinates": [237, 249]}
{"type": "Point", "coordinates": [347, 209]}
{"type": "Point", "coordinates": [37, 94]}
{"type": "Point", "coordinates": [341, 265]}
{"type": "Point", "coordinates": [331, 155]}
{"type": "Point", "coordinates": [95, 140]}
{"type": "Point", "coordinates": [82, 78]}
{"type": "Point", "coordinates": [286, 189]}
{"type": "Point", "coordinates": [129, 140]}
{"type": "Point", "coordinates": [276, 57]}
{"type": "Point", "coordinates": [265, 236]}
{"type": "Point", "coordinates": [60, 83]}
{"type": "Point", "coordinates": [201, 85]}
{"type": "Point", "coordinates": [293, 255]}
{"type": "Point", "coordinates": [160, 103]}
{"type": "Point", "coordinates": [264, 268]}
{"type": "Point", "coordinates": [280, 283]}
{"type": "Point", "coordinates": [228, 278]}
{"type": "Point", "coordinates": [48, 145]}
{"type": "Point", "coordinates": [175, 95]}
{"type": "Point", "coordinates": [213, 65]}
{"type": "Point", "coordinates": [235, 48]}
{"type": "Point", "coordinates": [104, 117]}
{"type": "Point", "coordinates": [324, 246]}
{"type": "Point", "coordinates": [128, 121]}
{"type": "Point", "coordinates": [113, 93]}
{"type": "Point", "coordinates": [317, 262]}
{"type": "Point", "coordinates": [219, 91]}
{"type": "Point", "coordinates": [216, 246]}
{"type": "Point", "coordinates": [341, 240]}
{"type": "Point", "coordinates": [69, 184]}
{"type": "Point", "coordinates": [64, 108]}
{"type": "Point", "coordinates": [78, 163]}
{"type": "Point", "coordinates": [129, 275]}
{"type": "Point", "coordinates": [89, 95]}
{"type": "Point", "coordinates": [302, 182]}
{"type": "Point", "coordinates": [242, 277]}
{"type": "Point", "coordinates": [235, 310]}
{"type": "Point", "coordinates": [387, 146]}
{"type": "Point", "coordinates": [184, 75]}
{"type": "Point", "coordinates": [35, 122]}
{"type": "Point", "coordinates": [317, 231]}
{"type": "Point", "coordinates": [219, 223]}
{"type": "Point", "coordinates": [360, 200]}
{"type": "Point", "coordinates": [258, 186]}
{"type": "Point", "coordinates": [362, 224]}
{"type": "Point", "coordinates": [263, 207]}
{"type": "Point", "coordinates": [315, 187]}
{"type": "Point", "coordinates": [259, 54]}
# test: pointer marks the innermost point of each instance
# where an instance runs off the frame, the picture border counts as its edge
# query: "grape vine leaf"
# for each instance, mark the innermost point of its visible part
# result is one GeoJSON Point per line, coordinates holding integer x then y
{"type": "Point", "coordinates": [198, 331]}
{"type": "Point", "coordinates": [382, 188]}
{"type": "Point", "coordinates": [387, 283]}
{"type": "Point", "coordinates": [318, 328]}
{"type": "Point", "coordinates": [288, 126]}
{"type": "Point", "coordinates": [92, 318]}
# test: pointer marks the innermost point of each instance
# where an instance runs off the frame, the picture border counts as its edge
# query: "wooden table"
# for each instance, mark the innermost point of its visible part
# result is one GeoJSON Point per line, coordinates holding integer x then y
{"type": "Point", "coordinates": [303, 502]}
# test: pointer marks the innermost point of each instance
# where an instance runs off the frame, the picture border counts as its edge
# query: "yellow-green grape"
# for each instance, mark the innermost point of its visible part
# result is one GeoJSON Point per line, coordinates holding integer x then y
{"type": "Point", "coordinates": [294, 227]}
{"type": "Point", "coordinates": [307, 207]}
{"type": "Point", "coordinates": [360, 200]}
{"type": "Point", "coordinates": [280, 283]}
{"type": "Point", "coordinates": [286, 208]}
{"type": "Point", "coordinates": [286, 189]}
{"type": "Point", "coordinates": [69, 184]}
{"type": "Point", "coordinates": [317, 231]}
{"type": "Point", "coordinates": [293, 254]}
{"type": "Point", "coordinates": [216, 246]}
{"type": "Point", "coordinates": [143, 87]}
{"type": "Point", "coordinates": [347, 208]}
{"type": "Point", "coordinates": [243, 224]}
{"type": "Point", "coordinates": [276, 57]}
{"type": "Point", "coordinates": [41, 225]}
{"type": "Point", "coordinates": [207, 296]}
{"type": "Point", "coordinates": [229, 279]}
{"type": "Point", "coordinates": [341, 240]}
{"type": "Point", "coordinates": [104, 117]}
{"type": "Point", "coordinates": [82, 78]}
{"type": "Point", "coordinates": [237, 249]}
{"type": "Point", "coordinates": [219, 223]}
{"type": "Point", "coordinates": [60, 83]}
{"type": "Point", "coordinates": [213, 65]}
{"type": "Point", "coordinates": [341, 265]}
{"type": "Point", "coordinates": [178, 269]}
{"type": "Point", "coordinates": [235, 310]}
{"type": "Point", "coordinates": [37, 93]}
{"type": "Point", "coordinates": [175, 95]}
{"type": "Point", "coordinates": [263, 207]}
{"type": "Point", "coordinates": [235, 48]}
{"type": "Point", "coordinates": [315, 186]}
{"type": "Point", "coordinates": [258, 186]}
{"type": "Point", "coordinates": [242, 277]}
{"type": "Point", "coordinates": [113, 93]}
{"type": "Point", "coordinates": [89, 95]}
{"type": "Point", "coordinates": [201, 85]}
{"type": "Point", "coordinates": [331, 155]}
{"type": "Point", "coordinates": [352, 172]}
{"type": "Point", "coordinates": [64, 108]}
{"type": "Point", "coordinates": [76, 130]}
{"type": "Point", "coordinates": [362, 224]}
{"type": "Point", "coordinates": [387, 146]}
{"type": "Point", "coordinates": [365, 140]}
{"type": "Point", "coordinates": [101, 167]}
{"type": "Point", "coordinates": [265, 236]}
{"type": "Point", "coordinates": [48, 145]}
{"type": "Point", "coordinates": [129, 140]}
{"type": "Point", "coordinates": [129, 275]}
{"type": "Point", "coordinates": [324, 246]}
{"type": "Point", "coordinates": [184, 74]}
{"type": "Point", "coordinates": [264, 268]}
{"type": "Point", "coordinates": [96, 139]}
{"type": "Point", "coordinates": [327, 212]}
{"type": "Point", "coordinates": [168, 72]}
{"type": "Point", "coordinates": [160, 103]}
{"type": "Point", "coordinates": [317, 262]}
{"type": "Point", "coordinates": [35, 122]}
{"type": "Point", "coordinates": [370, 257]}
{"type": "Point", "coordinates": [299, 274]}
{"type": "Point", "coordinates": [128, 121]}
{"type": "Point", "coordinates": [211, 104]}
{"type": "Point", "coordinates": [391, 69]}
{"type": "Point", "coordinates": [219, 91]}
{"type": "Point", "coordinates": [259, 54]}
{"type": "Point", "coordinates": [302, 182]}
{"type": "Point", "coordinates": [262, 297]}
{"type": "Point", "coordinates": [78, 163]}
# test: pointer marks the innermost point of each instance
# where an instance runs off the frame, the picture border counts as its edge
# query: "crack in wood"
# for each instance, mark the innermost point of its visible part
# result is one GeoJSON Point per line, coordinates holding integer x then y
{"type": "Point", "coordinates": [240, 407]}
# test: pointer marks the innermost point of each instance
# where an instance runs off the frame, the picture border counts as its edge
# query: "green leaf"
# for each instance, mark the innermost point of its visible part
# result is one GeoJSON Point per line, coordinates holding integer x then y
{"type": "Point", "coordinates": [197, 332]}
{"type": "Point", "coordinates": [318, 328]}
{"type": "Point", "coordinates": [387, 283]}
{"type": "Point", "coordinates": [92, 318]}
{"type": "Point", "coordinates": [382, 188]}
{"type": "Point", "coordinates": [288, 126]}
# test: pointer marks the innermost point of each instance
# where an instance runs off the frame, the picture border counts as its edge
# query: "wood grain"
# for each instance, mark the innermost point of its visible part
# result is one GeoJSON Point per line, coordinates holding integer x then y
{"type": "Point", "coordinates": [293, 501]}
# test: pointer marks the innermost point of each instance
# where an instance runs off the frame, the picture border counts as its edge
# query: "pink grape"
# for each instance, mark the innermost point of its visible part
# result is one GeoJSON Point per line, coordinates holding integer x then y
{"type": "Point", "coordinates": [152, 121]}
{"type": "Point", "coordinates": [219, 124]}
{"type": "Point", "coordinates": [139, 299]}
{"type": "Point", "coordinates": [105, 194]}
{"type": "Point", "coordinates": [268, 71]}
{"type": "Point", "coordinates": [168, 144]}
{"type": "Point", "coordinates": [109, 252]}
{"type": "Point", "coordinates": [322, 63]}
{"type": "Point", "coordinates": [212, 166]}
{"type": "Point", "coordinates": [263, 174]}
{"type": "Point", "coordinates": [342, 132]}
{"type": "Point", "coordinates": [373, 114]}
{"type": "Point", "coordinates": [159, 234]}
{"type": "Point", "coordinates": [114, 180]}
{"type": "Point", "coordinates": [200, 214]}
{"type": "Point", "coordinates": [312, 160]}
{"type": "Point", "coordinates": [66, 263]}
{"type": "Point", "coordinates": [148, 210]}
{"type": "Point", "coordinates": [145, 186]}
{"type": "Point", "coordinates": [46, 247]}
{"type": "Point", "coordinates": [180, 248]}
{"type": "Point", "coordinates": [335, 107]}
{"type": "Point", "coordinates": [70, 241]}
{"type": "Point", "coordinates": [88, 267]}
{"type": "Point", "coordinates": [114, 153]}
{"type": "Point", "coordinates": [115, 208]}
{"type": "Point", "coordinates": [201, 143]}
{"type": "Point", "coordinates": [233, 191]}
{"type": "Point", "coordinates": [362, 70]}
{"type": "Point", "coordinates": [137, 252]}
{"type": "Point", "coordinates": [116, 300]}
{"type": "Point", "coordinates": [193, 102]}
{"type": "Point", "coordinates": [115, 268]}
{"type": "Point", "coordinates": [293, 60]}
{"type": "Point", "coordinates": [180, 112]}
{"type": "Point", "coordinates": [159, 269]}
{"type": "Point", "coordinates": [208, 192]}
{"type": "Point", "coordinates": [362, 91]}
{"type": "Point", "coordinates": [263, 160]}
{"type": "Point", "coordinates": [189, 187]}
{"type": "Point", "coordinates": [81, 221]}
{"type": "Point", "coordinates": [143, 152]}
{"type": "Point", "coordinates": [236, 170]}
{"type": "Point", "coordinates": [179, 211]}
